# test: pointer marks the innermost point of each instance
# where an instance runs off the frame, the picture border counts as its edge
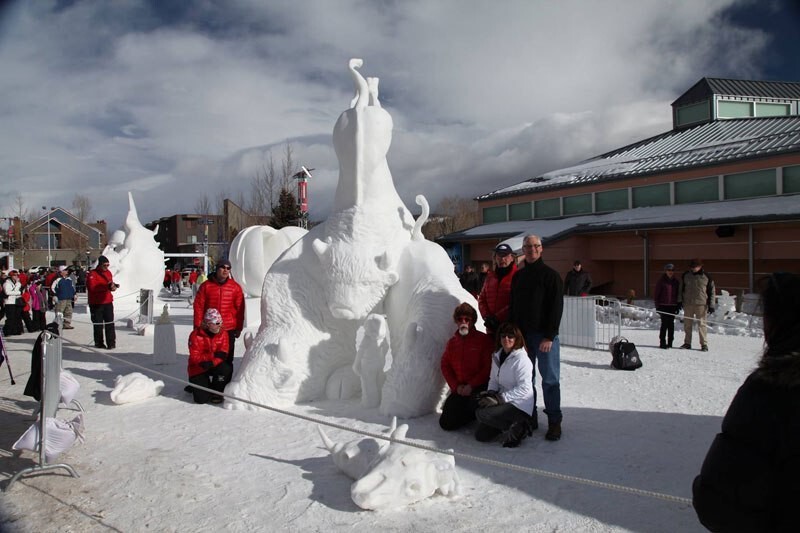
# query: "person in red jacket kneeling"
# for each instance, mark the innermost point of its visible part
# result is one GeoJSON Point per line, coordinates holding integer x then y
{"type": "Point", "coordinates": [208, 358]}
{"type": "Point", "coordinates": [466, 362]}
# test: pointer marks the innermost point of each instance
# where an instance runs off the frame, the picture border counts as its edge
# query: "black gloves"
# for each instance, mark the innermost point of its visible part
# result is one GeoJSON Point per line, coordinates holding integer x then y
{"type": "Point", "coordinates": [489, 398]}
{"type": "Point", "coordinates": [207, 365]}
{"type": "Point", "coordinates": [491, 322]}
{"type": "Point", "coordinates": [680, 306]}
{"type": "Point", "coordinates": [710, 310]}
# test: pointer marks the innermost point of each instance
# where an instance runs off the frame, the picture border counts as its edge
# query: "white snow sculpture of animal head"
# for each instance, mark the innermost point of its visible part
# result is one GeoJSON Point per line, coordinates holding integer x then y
{"type": "Point", "coordinates": [358, 280]}
{"type": "Point", "coordinates": [405, 475]}
{"type": "Point", "coordinates": [355, 457]}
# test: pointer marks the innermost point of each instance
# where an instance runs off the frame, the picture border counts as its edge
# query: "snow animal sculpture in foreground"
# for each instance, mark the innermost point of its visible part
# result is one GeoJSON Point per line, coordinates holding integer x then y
{"type": "Point", "coordinates": [392, 475]}
{"type": "Point", "coordinates": [355, 457]}
{"type": "Point", "coordinates": [253, 251]}
{"type": "Point", "coordinates": [362, 260]}
{"type": "Point", "coordinates": [134, 259]}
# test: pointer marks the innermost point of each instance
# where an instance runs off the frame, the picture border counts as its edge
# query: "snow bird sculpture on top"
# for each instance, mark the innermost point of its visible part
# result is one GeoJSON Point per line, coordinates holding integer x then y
{"type": "Point", "coordinates": [368, 257]}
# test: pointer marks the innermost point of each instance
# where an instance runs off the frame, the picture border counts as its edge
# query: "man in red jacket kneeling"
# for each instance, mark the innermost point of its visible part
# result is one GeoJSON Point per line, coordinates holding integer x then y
{"type": "Point", "coordinates": [466, 363]}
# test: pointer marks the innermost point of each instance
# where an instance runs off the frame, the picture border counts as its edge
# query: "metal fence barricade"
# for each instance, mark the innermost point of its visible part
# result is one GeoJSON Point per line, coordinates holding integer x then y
{"type": "Point", "coordinates": [145, 306]}
{"type": "Point", "coordinates": [590, 321]}
{"type": "Point", "coordinates": [51, 397]}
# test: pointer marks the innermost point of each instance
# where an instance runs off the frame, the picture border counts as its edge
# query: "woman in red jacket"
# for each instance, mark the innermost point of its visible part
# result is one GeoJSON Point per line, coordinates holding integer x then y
{"type": "Point", "coordinates": [495, 296]}
{"type": "Point", "coordinates": [208, 354]}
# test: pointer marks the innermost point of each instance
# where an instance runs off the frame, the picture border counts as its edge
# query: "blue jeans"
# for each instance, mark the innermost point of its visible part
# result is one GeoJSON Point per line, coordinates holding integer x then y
{"type": "Point", "coordinates": [550, 370]}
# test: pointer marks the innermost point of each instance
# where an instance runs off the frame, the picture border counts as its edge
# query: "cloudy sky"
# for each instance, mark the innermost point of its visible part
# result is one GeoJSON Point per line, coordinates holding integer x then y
{"type": "Point", "coordinates": [171, 99]}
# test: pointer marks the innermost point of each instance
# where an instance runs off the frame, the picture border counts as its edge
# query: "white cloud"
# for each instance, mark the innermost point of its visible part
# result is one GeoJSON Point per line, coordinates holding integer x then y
{"type": "Point", "coordinates": [106, 97]}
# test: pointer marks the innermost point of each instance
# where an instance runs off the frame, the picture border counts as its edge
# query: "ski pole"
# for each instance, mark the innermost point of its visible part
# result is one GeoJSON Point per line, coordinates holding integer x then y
{"type": "Point", "coordinates": [4, 355]}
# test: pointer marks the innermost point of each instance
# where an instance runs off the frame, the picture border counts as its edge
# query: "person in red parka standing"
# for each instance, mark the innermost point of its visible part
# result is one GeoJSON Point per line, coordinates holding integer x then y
{"type": "Point", "coordinates": [221, 292]}
{"type": "Point", "coordinates": [208, 358]}
{"type": "Point", "coordinates": [466, 363]}
{"type": "Point", "coordinates": [495, 296]}
{"type": "Point", "coordinates": [100, 288]}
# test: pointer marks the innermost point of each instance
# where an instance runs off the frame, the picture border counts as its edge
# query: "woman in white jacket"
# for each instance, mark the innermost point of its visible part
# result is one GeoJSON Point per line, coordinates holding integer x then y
{"type": "Point", "coordinates": [13, 290]}
{"type": "Point", "coordinates": [507, 404]}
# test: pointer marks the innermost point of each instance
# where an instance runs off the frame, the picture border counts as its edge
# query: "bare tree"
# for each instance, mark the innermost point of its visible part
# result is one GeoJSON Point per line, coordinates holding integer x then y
{"type": "Point", "coordinates": [288, 168]}
{"type": "Point", "coordinates": [263, 189]}
{"type": "Point", "coordinates": [203, 205]}
{"type": "Point", "coordinates": [82, 208]}
{"type": "Point", "coordinates": [452, 213]}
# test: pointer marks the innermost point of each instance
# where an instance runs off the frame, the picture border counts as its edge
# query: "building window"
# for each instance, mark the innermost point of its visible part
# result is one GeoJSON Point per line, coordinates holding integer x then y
{"type": "Point", "coordinates": [750, 184]}
{"type": "Point", "coordinates": [692, 191]}
{"type": "Point", "coordinates": [611, 200]}
{"type": "Point", "coordinates": [692, 113]}
{"type": "Point", "coordinates": [547, 208]}
{"type": "Point", "coordinates": [731, 109]}
{"type": "Point", "coordinates": [494, 214]}
{"type": "Point", "coordinates": [764, 109]}
{"type": "Point", "coordinates": [578, 205]}
{"type": "Point", "coordinates": [651, 195]}
{"type": "Point", "coordinates": [791, 179]}
{"type": "Point", "coordinates": [520, 211]}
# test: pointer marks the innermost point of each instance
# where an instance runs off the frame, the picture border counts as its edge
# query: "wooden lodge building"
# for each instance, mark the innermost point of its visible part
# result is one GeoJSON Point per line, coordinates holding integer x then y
{"type": "Point", "coordinates": [722, 185]}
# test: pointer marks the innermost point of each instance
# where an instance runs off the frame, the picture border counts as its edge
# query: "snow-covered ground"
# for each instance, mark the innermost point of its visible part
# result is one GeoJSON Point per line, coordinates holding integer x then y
{"type": "Point", "coordinates": [167, 464]}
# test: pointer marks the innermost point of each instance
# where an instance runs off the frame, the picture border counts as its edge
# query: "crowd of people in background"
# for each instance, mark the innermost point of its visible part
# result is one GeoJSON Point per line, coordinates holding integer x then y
{"type": "Point", "coordinates": [26, 296]}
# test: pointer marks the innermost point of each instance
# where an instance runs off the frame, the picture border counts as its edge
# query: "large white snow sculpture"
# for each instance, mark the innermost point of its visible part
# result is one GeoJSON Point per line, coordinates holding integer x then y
{"type": "Point", "coordinates": [134, 259]}
{"type": "Point", "coordinates": [321, 290]}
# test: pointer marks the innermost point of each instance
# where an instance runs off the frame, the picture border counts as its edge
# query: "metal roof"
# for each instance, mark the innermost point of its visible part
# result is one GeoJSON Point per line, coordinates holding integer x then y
{"type": "Point", "coordinates": [706, 87]}
{"type": "Point", "coordinates": [710, 143]}
{"type": "Point", "coordinates": [729, 212]}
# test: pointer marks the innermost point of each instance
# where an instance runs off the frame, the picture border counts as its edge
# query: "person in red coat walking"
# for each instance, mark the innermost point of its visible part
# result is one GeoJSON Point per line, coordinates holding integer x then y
{"type": "Point", "coordinates": [495, 296]}
{"type": "Point", "coordinates": [100, 289]}
{"type": "Point", "coordinates": [222, 292]}
{"type": "Point", "coordinates": [208, 358]}
{"type": "Point", "coordinates": [466, 362]}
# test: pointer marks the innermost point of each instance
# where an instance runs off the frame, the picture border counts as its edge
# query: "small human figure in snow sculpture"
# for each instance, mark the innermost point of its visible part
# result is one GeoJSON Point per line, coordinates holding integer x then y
{"type": "Point", "coordinates": [370, 360]}
{"type": "Point", "coordinates": [507, 405]}
{"type": "Point", "coordinates": [466, 362]}
{"type": "Point", "coordinates": [208, 358]}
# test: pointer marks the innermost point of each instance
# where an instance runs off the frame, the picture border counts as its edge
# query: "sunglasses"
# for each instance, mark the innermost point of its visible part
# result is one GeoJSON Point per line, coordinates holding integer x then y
{"type": "Point", "coordinates": [507, 336]}
{"type": "Point", "coordinates": [224, 268]}
{"type": "Point", "coordinates": [463, 319]}
{"type": "Point", "coordinates": [214, 323]}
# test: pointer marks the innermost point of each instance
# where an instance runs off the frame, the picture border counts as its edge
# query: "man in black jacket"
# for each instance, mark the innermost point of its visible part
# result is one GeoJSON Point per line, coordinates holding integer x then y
{"type": "Point", "coordinates": [537, 301]}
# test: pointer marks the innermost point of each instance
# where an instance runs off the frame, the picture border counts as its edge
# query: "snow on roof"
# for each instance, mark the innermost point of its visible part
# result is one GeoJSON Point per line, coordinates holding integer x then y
{"type": "Point", "coordinates": [705, 144]}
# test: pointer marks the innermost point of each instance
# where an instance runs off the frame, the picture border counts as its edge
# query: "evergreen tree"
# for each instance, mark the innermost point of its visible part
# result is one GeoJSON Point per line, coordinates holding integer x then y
{"type": "Point", "coordinates": [286, 212]}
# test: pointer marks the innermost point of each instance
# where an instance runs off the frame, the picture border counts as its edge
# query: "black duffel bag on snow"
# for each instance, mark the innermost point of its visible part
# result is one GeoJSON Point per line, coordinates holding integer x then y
{"type": "Point", "coordinates": [624, 355]}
